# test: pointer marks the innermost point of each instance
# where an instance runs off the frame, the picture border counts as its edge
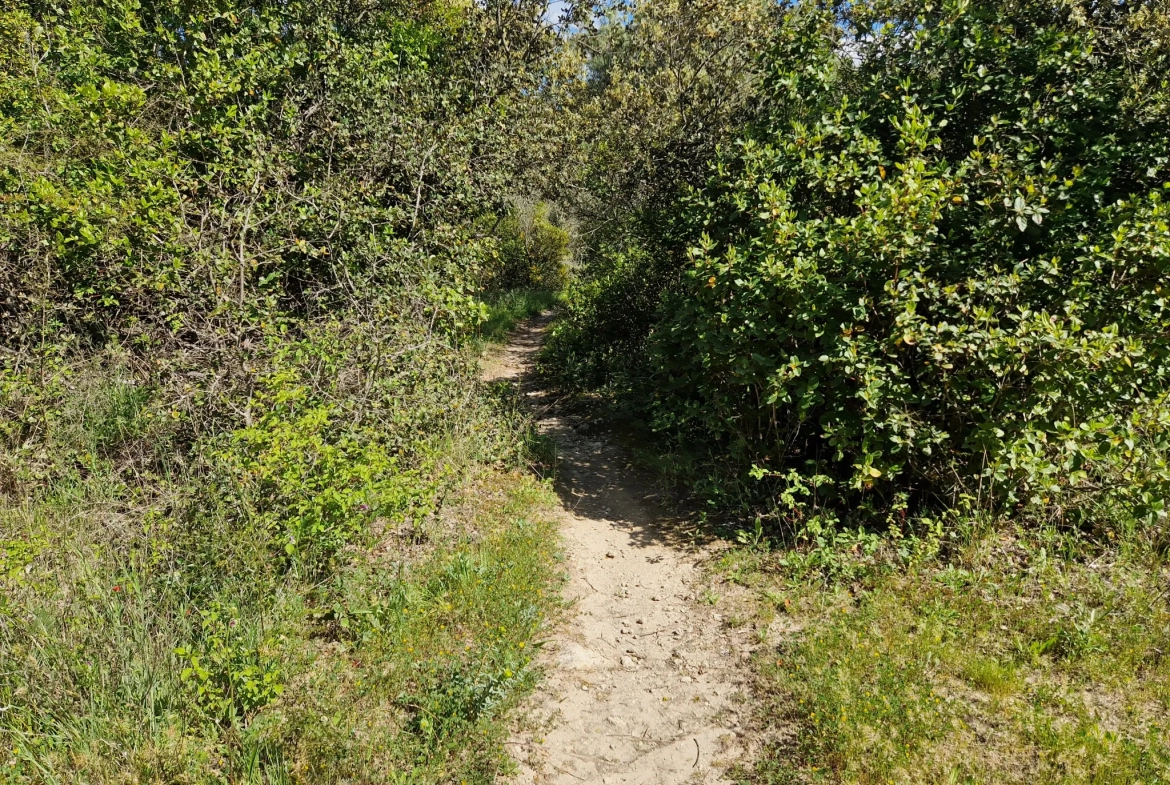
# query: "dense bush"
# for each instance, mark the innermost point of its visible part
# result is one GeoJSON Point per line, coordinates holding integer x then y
{"type": "Point", "coordinates": [533, 249]}
{"type": "Point", "coordinates": [935, 268]}
{"type": "Point", "coordinates": [168, 163]}
{"type": "Point", "coordinates": [240, 245]}
{"type": "Point", "coordinates": [667, 82]}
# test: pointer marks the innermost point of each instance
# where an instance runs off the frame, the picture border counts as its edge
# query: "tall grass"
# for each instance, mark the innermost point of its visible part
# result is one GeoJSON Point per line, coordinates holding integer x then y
{"type": "Point", "coordinates": [157, 625]}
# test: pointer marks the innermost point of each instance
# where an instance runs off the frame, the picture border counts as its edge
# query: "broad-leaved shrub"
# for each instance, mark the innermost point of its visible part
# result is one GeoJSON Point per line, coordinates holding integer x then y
{"type": "Point", "coordinates": [939, 268]}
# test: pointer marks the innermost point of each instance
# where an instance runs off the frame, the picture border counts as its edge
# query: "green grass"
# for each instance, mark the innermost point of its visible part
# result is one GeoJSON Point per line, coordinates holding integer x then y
{"type": "Point", "coordinates": [404, 664]}
{"type": "Point", "coordinates": [1024, 657]}
{"type": "Point", "coordinates": [348, 588]}
{"type": "Point", "coordinates": [507, 309]}
{"type": "Point", "coordinates": [990, 675]}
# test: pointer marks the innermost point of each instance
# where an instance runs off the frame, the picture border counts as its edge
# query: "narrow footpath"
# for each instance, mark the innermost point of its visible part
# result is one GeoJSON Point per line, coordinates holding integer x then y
{"type": "Point", "coordinates": [643, 680]}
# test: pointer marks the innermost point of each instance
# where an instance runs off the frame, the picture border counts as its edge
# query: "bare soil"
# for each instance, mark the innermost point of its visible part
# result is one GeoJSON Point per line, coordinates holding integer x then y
{"type": "Point", "coordinates": [644, 681]}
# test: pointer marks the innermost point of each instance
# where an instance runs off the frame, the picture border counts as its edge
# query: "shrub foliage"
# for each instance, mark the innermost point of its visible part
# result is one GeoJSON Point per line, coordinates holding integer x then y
{"type": "Point", "coordinates": [933, 268]}
{"type": "Point", "coordinates": [240, 245]}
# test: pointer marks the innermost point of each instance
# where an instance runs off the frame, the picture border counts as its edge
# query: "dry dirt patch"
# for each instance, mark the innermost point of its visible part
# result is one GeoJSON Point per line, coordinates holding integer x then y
{"type": "Point", "coordinates": [644, 682]}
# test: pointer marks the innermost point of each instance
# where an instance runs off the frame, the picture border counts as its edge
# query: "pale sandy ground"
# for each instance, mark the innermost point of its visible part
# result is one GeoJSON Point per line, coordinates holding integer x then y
{"type": "Point", "coordinates": [644, 683]}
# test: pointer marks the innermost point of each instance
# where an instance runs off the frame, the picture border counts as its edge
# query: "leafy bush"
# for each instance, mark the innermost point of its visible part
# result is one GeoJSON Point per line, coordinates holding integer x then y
{"type": "Point", "coordinates": [533, 249]}
{"type": "Point", "coordinates": [601, 340]}
{"type": "Point", "coordinates": [940, 273]}
{"type": "Point", "coordinates": [229, 674]}
{"type": "Point", "coordinates": [342, 434]}
{"type": "Point", "coordinates": [666, 84]}
{"type": "Point", "coordinates": [171, 170]}
{"type": "Point", "coordinates": [241, 248]}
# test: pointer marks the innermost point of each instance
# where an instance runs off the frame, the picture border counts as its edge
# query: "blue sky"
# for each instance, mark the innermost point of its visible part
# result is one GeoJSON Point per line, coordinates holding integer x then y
{"type": "Point", "coordinates": [554, 10]}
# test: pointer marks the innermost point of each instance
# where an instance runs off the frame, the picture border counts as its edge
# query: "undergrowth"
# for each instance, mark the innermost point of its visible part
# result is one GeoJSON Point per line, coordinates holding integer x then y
{"type": "Point", "coordinates": [259, 521]}
{"type": "Point", "coordinates": [185, 631]}
{"type": "Point", "coordinates": [507, 309]}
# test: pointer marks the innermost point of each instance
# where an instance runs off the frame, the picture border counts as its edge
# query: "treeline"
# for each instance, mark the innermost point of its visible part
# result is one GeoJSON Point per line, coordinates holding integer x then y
{"type": "Point", "coordinates": [884, 260]}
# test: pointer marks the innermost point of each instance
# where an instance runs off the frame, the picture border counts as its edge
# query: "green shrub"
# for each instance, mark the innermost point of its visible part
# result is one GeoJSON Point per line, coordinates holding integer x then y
{"type": "Point", "coordinates": [600, 340]}
{"type": "Point", "coordinates": [314, 483]}
{"type": "Point", "coordinates": [230, 675]}
{"type": "Point", "coordinates": [533, 249]}
{"type": "Point", "coordinates": [241, 248]}
{"type": "Point", "coordinates": [941, 273]}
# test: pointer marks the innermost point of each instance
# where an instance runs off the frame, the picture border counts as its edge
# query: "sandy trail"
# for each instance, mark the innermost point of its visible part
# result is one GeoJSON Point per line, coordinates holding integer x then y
{"type": "Point", "coordinates": [643, 679]}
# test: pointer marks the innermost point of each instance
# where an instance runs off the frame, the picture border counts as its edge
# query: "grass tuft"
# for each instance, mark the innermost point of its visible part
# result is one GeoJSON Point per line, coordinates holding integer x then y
{"type": "Point", "coordinates": [507, 309]}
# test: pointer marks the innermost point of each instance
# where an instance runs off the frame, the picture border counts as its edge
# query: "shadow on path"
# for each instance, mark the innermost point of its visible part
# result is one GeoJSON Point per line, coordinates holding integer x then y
{"type": "Point", "coordinates": [641, 679]}
{"type": "Point", "coordinates": [594, 478]}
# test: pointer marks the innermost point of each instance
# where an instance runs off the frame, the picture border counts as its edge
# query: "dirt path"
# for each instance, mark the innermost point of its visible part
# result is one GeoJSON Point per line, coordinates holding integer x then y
{"type": "Point", "coordinates": [643, 678]}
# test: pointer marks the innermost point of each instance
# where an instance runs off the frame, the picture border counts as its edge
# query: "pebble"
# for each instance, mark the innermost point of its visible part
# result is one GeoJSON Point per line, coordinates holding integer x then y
{"type": "Point", "coordinates": [627, 662]}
